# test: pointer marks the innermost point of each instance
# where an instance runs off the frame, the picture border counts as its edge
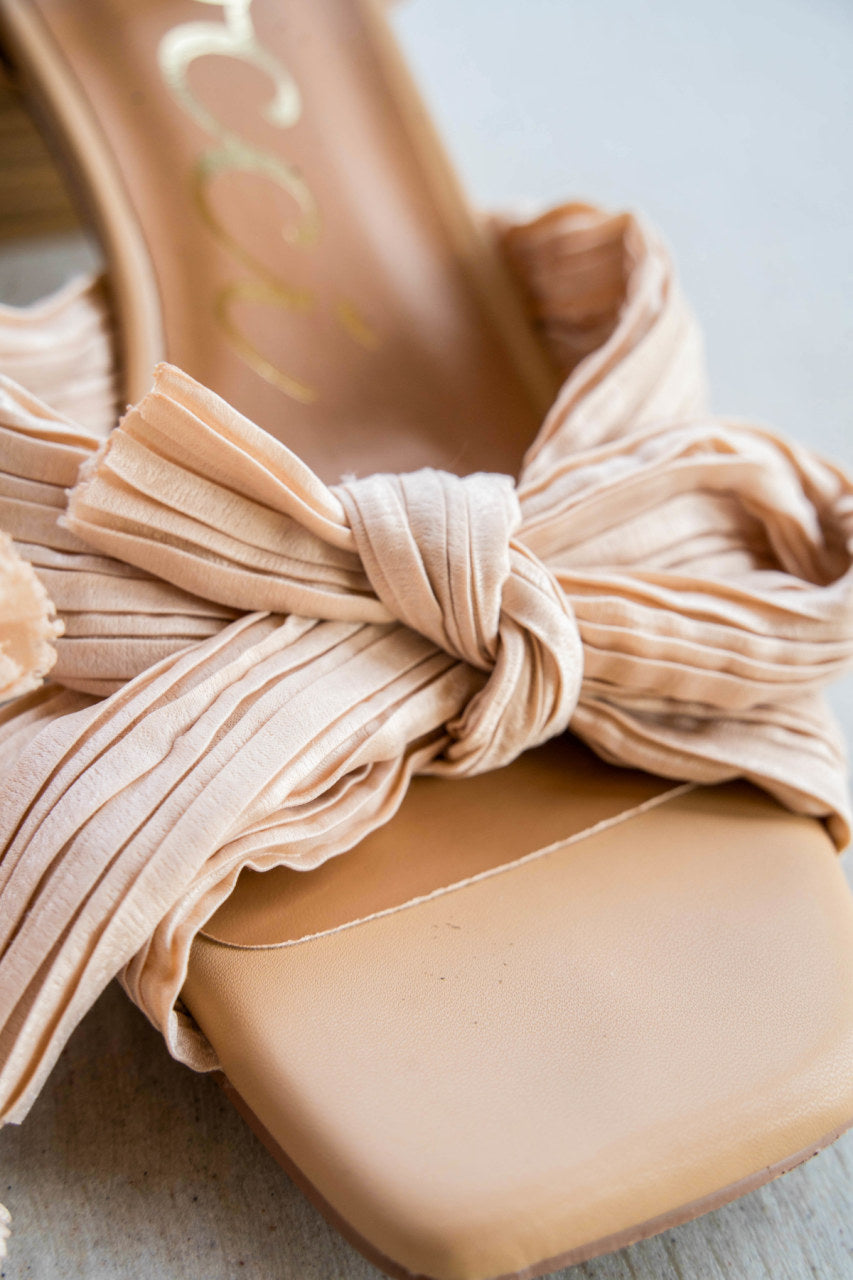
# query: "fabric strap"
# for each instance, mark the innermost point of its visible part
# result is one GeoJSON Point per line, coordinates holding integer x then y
{"type": "Point", "coordinates": [255, 663]}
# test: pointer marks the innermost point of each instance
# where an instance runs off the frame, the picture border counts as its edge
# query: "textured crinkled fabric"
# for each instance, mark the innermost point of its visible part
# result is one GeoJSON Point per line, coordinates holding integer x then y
{"type": "Point", "coordinates": [61, 349]}
{"type": "Point", "coordinates": [255, 663]}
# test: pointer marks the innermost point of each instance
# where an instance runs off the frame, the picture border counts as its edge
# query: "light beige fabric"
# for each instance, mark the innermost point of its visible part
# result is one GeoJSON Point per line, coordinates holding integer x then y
{"type": "Point", "coordinates": [676, 587]}
{"type": "Point", "coordinates": [28, 625]}
{"type": "Point", "coordinates": [61, 349]}
{"type": "Point", "coordinates": [116, 619]}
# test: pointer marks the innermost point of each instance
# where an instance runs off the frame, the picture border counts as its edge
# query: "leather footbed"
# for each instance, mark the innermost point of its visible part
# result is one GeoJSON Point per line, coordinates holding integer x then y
{"type": "Point", "coordinates": [673, 970]}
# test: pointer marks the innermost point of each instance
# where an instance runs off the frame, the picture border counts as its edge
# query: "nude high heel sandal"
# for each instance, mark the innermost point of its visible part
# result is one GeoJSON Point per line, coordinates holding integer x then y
{"type": "Point", "coordinates": [528, 1005]}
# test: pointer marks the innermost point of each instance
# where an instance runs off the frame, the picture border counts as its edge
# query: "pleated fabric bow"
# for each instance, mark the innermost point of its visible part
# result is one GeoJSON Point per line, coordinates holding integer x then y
{"type": "Point", "coordinates": [254, 663]}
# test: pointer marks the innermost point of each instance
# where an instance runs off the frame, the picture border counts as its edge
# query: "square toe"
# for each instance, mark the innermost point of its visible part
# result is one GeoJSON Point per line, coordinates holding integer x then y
{"type": "Point", "coordinates": [538, 1064]}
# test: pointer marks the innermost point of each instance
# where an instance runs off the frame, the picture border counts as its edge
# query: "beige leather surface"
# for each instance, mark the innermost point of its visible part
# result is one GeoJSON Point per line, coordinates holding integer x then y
{"type": "Point", "coordinates": [559, 1051]}
{"type": "Point", "coordinates": [382, 303]}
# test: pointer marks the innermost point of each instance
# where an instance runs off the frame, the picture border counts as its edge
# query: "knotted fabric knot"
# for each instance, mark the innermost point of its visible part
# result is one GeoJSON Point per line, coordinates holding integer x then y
{"type": "Point", "coordinates": [441, 553]}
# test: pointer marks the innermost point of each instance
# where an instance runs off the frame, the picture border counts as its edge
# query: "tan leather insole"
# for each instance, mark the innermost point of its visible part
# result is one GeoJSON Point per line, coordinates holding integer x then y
{"type": "Point", "coordinates": [542, 1060]}
{"type": "Point", "coordinates": [314, 261]}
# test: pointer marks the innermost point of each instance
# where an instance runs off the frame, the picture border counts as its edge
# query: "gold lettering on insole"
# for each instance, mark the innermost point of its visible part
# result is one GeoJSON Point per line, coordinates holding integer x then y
{"type": "Point", "coordinates": [235, 37]}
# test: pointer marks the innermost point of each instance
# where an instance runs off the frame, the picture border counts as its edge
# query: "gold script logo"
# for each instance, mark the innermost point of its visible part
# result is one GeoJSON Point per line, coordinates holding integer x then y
{"type": "Point", "coordinates": [234, 36]}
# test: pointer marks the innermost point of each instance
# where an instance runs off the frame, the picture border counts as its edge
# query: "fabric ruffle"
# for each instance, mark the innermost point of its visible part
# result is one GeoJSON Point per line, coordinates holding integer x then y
{"type": "Point", "coordinates": [676, 588]}
{"type": "Point", "coordinates": [117, 620]}
{"type": "Point", "coordinates": [62, 350]}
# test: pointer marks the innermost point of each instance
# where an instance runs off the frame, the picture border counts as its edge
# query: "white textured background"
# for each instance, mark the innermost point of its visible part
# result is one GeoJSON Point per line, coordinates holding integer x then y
{"type": "Point", "coordinates": [729, 123]}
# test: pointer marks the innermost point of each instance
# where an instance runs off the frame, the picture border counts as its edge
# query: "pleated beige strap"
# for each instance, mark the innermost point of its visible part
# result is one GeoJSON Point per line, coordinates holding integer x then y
{"type": "Point", "coordinates": [116, 620]}
{"type": "Point", "coordinates": [61, 349]}
{"type": "Point", "coordinates": [676, 588]}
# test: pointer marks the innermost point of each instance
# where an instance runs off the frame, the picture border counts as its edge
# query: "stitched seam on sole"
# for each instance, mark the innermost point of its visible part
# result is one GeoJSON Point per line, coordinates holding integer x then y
{"type": "Point", "coordinates": [606, 824]}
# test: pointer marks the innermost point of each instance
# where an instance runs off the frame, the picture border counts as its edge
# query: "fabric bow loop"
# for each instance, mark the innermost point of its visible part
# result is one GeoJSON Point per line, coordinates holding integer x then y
{"type": "Point", "coordinates": [440, 553]}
